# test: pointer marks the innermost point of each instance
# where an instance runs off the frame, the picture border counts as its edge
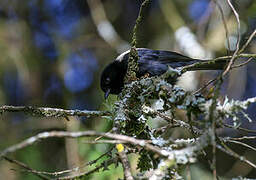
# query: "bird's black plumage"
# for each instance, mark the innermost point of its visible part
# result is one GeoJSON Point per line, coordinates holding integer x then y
{"type": "Point", "coordinates": [152, 62]}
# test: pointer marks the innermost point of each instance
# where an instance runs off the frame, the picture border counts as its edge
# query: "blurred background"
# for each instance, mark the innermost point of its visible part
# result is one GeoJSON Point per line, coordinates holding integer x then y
{"type": "Point", "coordinates": [53, 52]}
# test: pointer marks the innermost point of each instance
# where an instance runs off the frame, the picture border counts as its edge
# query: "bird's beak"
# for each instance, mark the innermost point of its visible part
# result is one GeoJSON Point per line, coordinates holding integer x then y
{"type": "Point", "coordinates": [107, 93]}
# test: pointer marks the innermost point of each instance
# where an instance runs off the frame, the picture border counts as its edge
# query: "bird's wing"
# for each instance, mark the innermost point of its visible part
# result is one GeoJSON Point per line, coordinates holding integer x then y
{"type": "Point", "coordinates": [172, 59]}
{"type": "Point", "coordinates": [176, 60]}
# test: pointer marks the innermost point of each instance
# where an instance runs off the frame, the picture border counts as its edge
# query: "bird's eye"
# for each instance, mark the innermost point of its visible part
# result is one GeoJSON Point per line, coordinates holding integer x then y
{"type": "Point", "coordinates": [107, 80]}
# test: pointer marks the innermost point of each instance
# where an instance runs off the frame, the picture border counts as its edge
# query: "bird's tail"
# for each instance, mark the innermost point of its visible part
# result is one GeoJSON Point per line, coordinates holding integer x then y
{"type": "Point", "coordinates": [208, 65]}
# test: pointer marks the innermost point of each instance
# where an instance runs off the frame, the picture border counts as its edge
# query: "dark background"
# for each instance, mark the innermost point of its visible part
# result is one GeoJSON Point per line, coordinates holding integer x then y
{"type": "Point", "coordinates": [53, 51]}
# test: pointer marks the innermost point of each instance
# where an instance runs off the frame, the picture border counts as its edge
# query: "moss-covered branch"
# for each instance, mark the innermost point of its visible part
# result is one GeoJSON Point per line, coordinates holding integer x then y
{"type": "Point", "coordinates": [133, 57]}
{"type": "Point", "coordinates": [51, 112]}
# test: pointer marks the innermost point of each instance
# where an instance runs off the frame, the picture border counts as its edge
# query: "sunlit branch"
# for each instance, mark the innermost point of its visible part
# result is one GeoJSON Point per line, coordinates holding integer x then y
{"type": "Point", "coordinates": [62, 134]}
{"type": "Point", "coordinates": [177, 155]}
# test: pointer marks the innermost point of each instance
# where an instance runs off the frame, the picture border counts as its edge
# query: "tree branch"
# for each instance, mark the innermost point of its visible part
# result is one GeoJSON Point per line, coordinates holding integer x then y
{"type": "Point", "coordinates": [248, 41]}
{"type": "Point", "coordinates": [125, 162]}
{"type": "Point", "coordinates": [105, 164]}
{"type": "Point", "coordinates": [52, 112]}
{"type": "Point", "coordinates": [38, 174]}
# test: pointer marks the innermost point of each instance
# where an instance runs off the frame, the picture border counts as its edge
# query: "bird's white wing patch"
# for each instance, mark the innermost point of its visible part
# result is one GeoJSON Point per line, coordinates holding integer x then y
{"type": "Point", "coordinates": [120, 57]}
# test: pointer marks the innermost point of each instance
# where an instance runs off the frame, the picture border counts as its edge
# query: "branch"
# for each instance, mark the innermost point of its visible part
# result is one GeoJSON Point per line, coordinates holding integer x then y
{"type": "Point", "coordinates": [75, 169]}
{"type": "Point", "coordinates": [241, 143]}
{"type": "Point", "coordinates": [212, 61]}
{"type": "Point", "coordinates": [228, 151]}
{"type": "Point", "coordinates": [52, 112]}
{"type": "Point", "coordinates": [133, 55]}
{"type": "Point", "coordinates": [239, 128]}
{"type": "Point", "coordinates": [240, 138]}
{"type": "Point", "coordinates": [62, 134]}
{"type": "Point", "coordinates": [40, 175]}
{"type": "Point", "coordinates": [242, 64]}
{"type": "Point", "coordinates": [238, 40]}
{"type": "Point", "coordinates": [248, 41]}
{"type": "Point", "coordinates": [104, 165]}
{"type": "Point", "coordinates": [179, 123]}
{"type": "Point", "coordinates": [139, 19]}
{"type": "Point", "coordinates": [174, 155]}
{"type": "Point", "coordinates": [125, 162]}
{"type": "Point", "coordinates": [105, 142]}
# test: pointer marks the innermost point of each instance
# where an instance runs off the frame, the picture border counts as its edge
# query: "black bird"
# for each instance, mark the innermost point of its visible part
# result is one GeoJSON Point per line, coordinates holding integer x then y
{"type": "Point", "coordinates": [151, 62]}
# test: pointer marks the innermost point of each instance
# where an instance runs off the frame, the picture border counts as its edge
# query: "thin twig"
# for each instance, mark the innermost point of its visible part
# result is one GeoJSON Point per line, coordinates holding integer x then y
{"type": "Point", "coordinates": [248, 41]}
{"type": "Point", "coordinates": [242, 64]}
{"type": "Point", "coordinates": [75, 169]}
{"type": "Point", "coordinates": [244, 55]}
{"type": "Point", "coordinates": [104, 165]}
{"type": "Point", "coordinates": [214, 155]}
{"type": "Point", "coordinates": [205, 85]}
{"type": "Point", "coordinates": [28, 169]}
{"type": "Point", "coordinates": [98, 138]}
{"type": "Point", "coordinates": [241, 138]}
{"type": "Point", "coordinates": [239, 128]}
{"type": "Point", "coordinates": [175, 121]}
{"type": "Point", "coordinates": [241, 143]}
{"type": "Point", "coordinates": [228, 151]}
{"type": "Point", "coordinates": [224, 22]}
{"type": "Point", "coordinates": [238, 40]}
{"type": "Point", "coordinates": [215, 60]}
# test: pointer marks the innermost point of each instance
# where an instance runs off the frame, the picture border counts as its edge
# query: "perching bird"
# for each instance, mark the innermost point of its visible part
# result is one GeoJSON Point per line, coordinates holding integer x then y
{"type": "Point", "coordinates": [151, 62]}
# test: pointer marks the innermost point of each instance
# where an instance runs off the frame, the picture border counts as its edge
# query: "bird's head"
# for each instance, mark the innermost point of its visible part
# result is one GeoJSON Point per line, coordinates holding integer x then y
{"type": "Point", "coordinates": [112, 79]}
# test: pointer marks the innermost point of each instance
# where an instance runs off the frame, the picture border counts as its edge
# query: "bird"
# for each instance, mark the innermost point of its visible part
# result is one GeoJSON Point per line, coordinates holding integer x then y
{"type": "Point", "coordinates": [151, 63]}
